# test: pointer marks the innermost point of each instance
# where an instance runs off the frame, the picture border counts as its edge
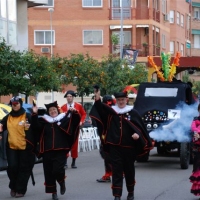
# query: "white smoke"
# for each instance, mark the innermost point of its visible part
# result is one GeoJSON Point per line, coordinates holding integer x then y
{"type": "Point", "coordinates": [179, 129]}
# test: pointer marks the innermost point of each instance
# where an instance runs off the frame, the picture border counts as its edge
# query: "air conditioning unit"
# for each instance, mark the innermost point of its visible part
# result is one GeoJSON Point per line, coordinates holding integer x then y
{"type": "Point", "coordinates": [166, 17]}
{"type": "Point", "coordinates": [45, 50]}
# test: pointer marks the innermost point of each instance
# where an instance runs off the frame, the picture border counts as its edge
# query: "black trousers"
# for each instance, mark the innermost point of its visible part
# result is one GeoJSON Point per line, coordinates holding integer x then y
{"type": "Point", "coordinates": [123, 160]}
{"type": "Point", "coordinates": [53, 165]}
{"type": "Point", "coordinates": [20, 165]}
{"type": "Point", "coordinates": [107, 161]}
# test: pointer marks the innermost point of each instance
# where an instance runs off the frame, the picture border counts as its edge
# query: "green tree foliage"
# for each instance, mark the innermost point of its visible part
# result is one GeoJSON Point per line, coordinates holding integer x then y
{"type": "Point", "coordinates": [8, 61]}
{"type": "Point", "coordinates": [115, 74]}
{"type": "Point", "coordinates": [26, 72]}
{"type": "Point", "coordinates": [138, 74]}
{"type": "Point", "coordinates": [82, 71]}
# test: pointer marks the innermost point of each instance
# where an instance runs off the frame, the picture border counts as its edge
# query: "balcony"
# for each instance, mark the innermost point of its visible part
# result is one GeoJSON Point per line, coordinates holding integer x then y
{"type": "Point", "coordinates": [139, 13]}
{"type": "Point", "coordinates": [195, 23]}
{"type": "Point", "coordinates": [116, 13]}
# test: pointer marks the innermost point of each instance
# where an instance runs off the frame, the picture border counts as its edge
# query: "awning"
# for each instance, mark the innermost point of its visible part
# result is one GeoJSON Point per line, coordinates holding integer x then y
{"type": "Point", "coordinates": [195, 32]}
{"type": "Point", "coordinates": [32, 3]}
{"type": "Point", "coordinates": [142, 25]}
{"type": "Point", "coordinates": [195, 4]}
{"type": "Point", "coordinates": [118, 26]}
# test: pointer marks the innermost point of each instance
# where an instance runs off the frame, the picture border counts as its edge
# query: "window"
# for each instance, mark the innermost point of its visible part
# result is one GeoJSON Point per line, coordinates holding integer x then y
{"type": "Point", "coordinates": [171, 16]}
{"type": "Point", "coordinates": [164, 6]}
{"type": "Point", "coordinates": [116, 9]}
{"type": "Point", "coordinates": [178, 18]}
{"type": "Point", "coordinates": [182, 50]}
{"type": "Point", "coordinates": [12, 33]}
{"type": "Point", "coordinates": [12, 12]}
{"type": "Point", "coordinates": [3, 30]}
{"type": "Point", "coordinates": [3, 8]}
{"type": "Point", "coordinates": [172, 47]}
{"type": "Point", "coordinates": [156, 4]}
{"type": "Point", "coordinates": [197, 41]}
{"type": "Point", "coordinates": [44, 37]}
{"type": "Point", "coordinates": [93, 37]}
{"type": "Point", "coordinates": [92, 3]}
{"type": "Point", "coordinates": [161, 92]}
{"type": "Point", "coordinates": [188, 22]}
{"type": "Point", "coordinates": [182, 20]}
{"type": "Point", "coordinates": [163, 41]}
{"type": "Point", "coordinates": [197, 13]}
{"type": "Point", "coordinates": [49, 4]}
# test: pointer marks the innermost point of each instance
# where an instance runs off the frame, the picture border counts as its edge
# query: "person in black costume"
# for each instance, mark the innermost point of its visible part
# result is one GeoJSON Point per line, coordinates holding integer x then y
{"type": "Point", "coordinates": [122, 128]}
{"type": "Point", "coordinates": [19, 147]}
{"type": "Point", "coordinates": [58, 132]}
{"type": "Point", "coordinates": [107, 99]}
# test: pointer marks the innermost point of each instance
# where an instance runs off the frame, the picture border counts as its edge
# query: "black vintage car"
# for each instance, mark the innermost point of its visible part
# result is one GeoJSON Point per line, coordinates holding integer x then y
{"type": "Point", "coordinates": [155, 102]}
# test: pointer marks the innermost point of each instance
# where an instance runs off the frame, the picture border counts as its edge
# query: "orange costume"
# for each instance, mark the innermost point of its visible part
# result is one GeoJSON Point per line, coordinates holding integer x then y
{"type": "Point", "coordinates": [81, 111]}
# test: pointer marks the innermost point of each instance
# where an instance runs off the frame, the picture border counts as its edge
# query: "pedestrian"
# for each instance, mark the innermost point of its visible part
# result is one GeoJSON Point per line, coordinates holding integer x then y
{"type": "Point", "coordinates": [70, 94]}
{"type": "Point", "coordinates": [195, 176]}
{"type": "Point", "coordinates": [19, 147]}
{"type": "Point", "coordinates": [123, 130]}
{"type": "Point", "coordinates": [104, 148]}
{"type": "Point", "coordinates": [58, 131]}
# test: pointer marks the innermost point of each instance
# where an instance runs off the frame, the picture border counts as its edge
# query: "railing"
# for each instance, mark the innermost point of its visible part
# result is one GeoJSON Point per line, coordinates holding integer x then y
{"type": "Point", "coordinates": [139, 13]}
{"type": "Point", "coordinates": [116, 13]}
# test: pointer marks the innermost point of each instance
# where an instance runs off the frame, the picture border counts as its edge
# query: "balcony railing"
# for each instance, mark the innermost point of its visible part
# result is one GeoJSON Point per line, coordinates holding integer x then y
{"type": "Point", "coordinates": [116, 13]}
{"type": "Point", "coordinates": [141, 12]}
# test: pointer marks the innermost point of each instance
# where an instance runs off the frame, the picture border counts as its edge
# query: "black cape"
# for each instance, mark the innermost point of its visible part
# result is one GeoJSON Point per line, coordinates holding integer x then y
{"type": "Point", "coordinates": [103, 114]}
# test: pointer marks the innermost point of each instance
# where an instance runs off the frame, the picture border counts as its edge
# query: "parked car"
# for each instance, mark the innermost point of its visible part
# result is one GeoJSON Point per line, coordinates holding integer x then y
{"type": "Point", "coordinates": [4, 110]}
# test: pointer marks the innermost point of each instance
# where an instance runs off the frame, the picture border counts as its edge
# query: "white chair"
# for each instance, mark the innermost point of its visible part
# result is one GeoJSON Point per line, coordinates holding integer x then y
{"type": "Point", "coordinates": [94, 136]}
{"type": "Point", "coordinates": [84, 140]}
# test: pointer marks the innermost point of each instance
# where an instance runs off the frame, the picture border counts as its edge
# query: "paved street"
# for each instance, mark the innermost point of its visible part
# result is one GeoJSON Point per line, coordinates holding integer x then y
{"type": "Point", "coordinates": [159, 179]}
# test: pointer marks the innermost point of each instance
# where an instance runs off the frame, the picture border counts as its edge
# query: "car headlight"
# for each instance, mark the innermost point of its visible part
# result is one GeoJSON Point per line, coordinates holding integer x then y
{"type": "Point", "coordinates": [155, 125]}
{"type": "Point", "coordinates": [148, 125]}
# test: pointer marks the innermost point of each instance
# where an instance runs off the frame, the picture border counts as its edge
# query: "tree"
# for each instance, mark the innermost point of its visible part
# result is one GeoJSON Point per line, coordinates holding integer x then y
{"type": "Point", "coordinates": [138, 74]}
{"type": "Point", "coordinates": [82, 71]}
{"type": "Point", "coordinates": [9, 58]}
{"type": "Point", "coordinates": [26, 72]}
{"type": "Point", "coordinates": [115, 75]}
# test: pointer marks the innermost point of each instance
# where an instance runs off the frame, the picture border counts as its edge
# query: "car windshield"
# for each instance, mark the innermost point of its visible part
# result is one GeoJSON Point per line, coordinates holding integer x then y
{"type": "Point", "coordinates": [161, 92]}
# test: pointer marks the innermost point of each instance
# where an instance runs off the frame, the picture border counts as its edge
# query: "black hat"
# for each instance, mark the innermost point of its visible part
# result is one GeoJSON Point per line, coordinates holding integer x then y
{"type": "Point", "coordinates": [16, 100]}
{"type": "Point", "coordinates": [54, 104]}
{"type": "Point", "coordinates": [42, 111]}
{"type": "Point", "coordinates": [71, 92]}
{"type": "Point", "coordinates": [120, 94]}
{"type": "Point", "coordinates": [107, 98]}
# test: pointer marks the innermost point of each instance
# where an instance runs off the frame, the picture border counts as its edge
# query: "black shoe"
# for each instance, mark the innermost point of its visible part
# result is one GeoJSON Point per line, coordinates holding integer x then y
{"type": "Point", "coordinates": [62, 188]}
{"type": "Point", "coordinates": [54, 196]}
{"type": "Point", "coordinates": [117, 198]}
{"type": "Point", "coordinates": [130, 197]}
{"type": "Point", "coordinates": [73, 166]}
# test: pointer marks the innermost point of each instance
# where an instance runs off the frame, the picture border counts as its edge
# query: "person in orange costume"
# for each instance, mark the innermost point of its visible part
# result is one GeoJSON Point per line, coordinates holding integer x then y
{"type": "Point", "coordinates": [70, 94]}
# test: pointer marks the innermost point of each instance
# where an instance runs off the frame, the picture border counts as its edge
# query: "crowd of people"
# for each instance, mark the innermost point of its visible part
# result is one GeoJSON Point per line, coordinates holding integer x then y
{"type": "Point", "coordinates": [53, 135]}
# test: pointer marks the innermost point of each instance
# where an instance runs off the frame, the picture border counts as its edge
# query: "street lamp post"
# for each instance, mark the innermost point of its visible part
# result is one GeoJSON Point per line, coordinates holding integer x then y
{"type": "Point", "coordinates": [121, 31]}
{"type": "Point", "coordinates": [50, 10]}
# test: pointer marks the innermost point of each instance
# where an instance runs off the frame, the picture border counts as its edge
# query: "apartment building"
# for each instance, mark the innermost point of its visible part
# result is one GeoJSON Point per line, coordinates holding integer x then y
{"type": "Point", "coordinates": [150, 26]}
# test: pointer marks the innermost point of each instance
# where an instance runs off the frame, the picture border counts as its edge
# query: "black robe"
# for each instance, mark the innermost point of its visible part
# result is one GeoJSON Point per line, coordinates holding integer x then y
{"type": "Point", "coordinates": [111, 133]}
{"type": "Point", "coordinates": [59, 135]}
